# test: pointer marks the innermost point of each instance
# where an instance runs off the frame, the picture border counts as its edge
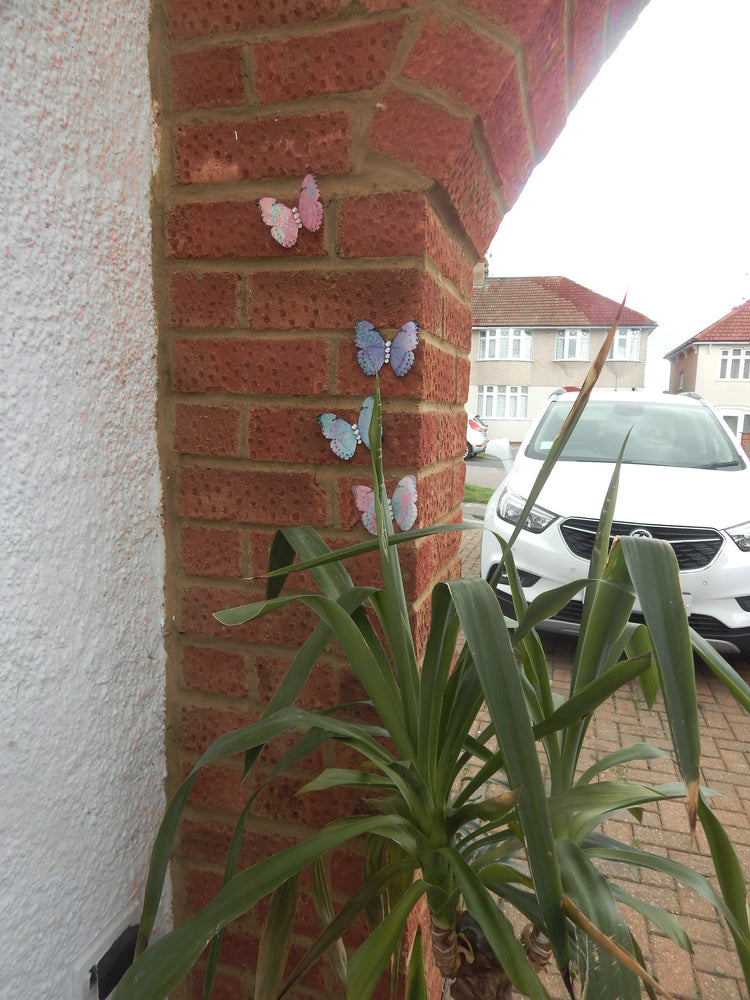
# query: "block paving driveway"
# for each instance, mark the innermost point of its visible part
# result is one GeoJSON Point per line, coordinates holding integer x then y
{"type": "Point", "coordinates": [713, 973]}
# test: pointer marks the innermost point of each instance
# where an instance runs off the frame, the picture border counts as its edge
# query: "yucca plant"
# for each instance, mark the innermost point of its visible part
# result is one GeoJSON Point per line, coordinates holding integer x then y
{"type": "Point", "coordinates": [475, 824]}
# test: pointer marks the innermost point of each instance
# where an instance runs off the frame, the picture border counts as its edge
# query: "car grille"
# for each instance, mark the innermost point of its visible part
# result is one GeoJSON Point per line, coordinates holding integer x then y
{"type": "Point", "coordinates": [694, 547]}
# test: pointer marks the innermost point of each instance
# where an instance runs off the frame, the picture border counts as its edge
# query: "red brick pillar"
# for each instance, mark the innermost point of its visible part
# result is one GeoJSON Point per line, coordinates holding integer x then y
{"type": "Point", "coordinates": [421, 126]}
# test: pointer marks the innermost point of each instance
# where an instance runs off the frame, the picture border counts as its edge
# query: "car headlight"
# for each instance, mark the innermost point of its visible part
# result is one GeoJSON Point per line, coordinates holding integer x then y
{"type": "Point", "coordinates": [510, 507]}
{"type": "Point", "coordinates": [740, 535]}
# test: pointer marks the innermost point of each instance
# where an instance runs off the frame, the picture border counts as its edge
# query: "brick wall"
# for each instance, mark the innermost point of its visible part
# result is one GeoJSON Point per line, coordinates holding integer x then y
{"type": "Point", "coordinates": [422, 121]}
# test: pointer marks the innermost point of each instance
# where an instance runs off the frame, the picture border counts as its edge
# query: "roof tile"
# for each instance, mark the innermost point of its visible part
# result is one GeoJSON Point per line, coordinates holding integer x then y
{"type": "Point", "coordinates": [546, 302]}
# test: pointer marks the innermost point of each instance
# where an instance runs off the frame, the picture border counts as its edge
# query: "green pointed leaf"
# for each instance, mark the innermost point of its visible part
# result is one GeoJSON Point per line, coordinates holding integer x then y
{"type": "Point", "coordinates": [496, 928]}
{"type": "Point", "coordinates": [489, 642]}
{"type": "Point", "coordinates": [275, 939]}
{"type": "Point", "coordinates": [372, 958]}
{"type": "Point", "coordinates": [652, 566]}
{"type": "Point", "coordinates": [416, 984]}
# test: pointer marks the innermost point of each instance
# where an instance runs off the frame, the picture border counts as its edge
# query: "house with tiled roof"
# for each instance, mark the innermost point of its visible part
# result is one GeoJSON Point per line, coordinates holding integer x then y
{"type": "Point", "coordinates": [716, 364]}
{"type": "Point", "coordinates": [531, 336]}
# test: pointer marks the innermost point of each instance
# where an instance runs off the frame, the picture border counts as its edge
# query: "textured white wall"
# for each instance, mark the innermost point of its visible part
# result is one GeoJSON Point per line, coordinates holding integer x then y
{"type": "Point", "coordinates": [81, 656]}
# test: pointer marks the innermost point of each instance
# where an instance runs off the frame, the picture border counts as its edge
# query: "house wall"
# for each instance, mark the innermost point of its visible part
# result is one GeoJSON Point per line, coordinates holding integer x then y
{"type": "Point", "coordinates": [422, 123]}
{"type": "Point", "coordinates": [81, 650]}
{"type": "Point", "coordinates": [543, 374]}
{"type": "Point", "coordinates": [686, 365]}
{"type": "Point", "coordinates": [719, 392]}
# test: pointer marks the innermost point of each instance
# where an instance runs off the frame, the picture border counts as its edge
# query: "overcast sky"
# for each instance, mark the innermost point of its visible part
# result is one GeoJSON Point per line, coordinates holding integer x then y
{"type": "Point", "coordinates": [647, 189]}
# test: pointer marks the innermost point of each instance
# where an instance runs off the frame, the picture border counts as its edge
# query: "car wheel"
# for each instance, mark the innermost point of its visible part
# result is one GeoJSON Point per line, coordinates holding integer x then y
{"type": "Point", "coordinates": [468, 453]}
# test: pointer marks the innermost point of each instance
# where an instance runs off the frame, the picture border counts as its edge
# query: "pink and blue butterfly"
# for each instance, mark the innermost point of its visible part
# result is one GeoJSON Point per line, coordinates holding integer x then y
{"type": "Point", "coordinates": [375, 351]}
{"type": "Point", "coordinates": [345, 437]}
{"type": "Point", "coordinates": [286, 222]}
{"type": "Point", "coordinates": [403, 504]}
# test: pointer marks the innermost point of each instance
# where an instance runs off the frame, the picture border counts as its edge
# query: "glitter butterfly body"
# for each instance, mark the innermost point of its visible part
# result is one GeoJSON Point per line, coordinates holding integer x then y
{"type": "Point", "coordinates": [345, 437]}
{"type": "Point", "coordinates": [403, 504]}
{"type": "Point", "coordinates": [375, 351]}
{"type": "Point", "coordinates": [286, 222]}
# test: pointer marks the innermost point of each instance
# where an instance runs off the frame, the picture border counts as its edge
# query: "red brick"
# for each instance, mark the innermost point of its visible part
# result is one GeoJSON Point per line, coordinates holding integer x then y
{"type": "Point", "coordinates": [218, 671]}
{"type": "Point", "coordinates": [521, 17]}
{"type": "Point", "coordinates": [217, 787]}
{"type": "Point", "coordinates": [226, 987]}
{"type": "Point", "coordinates": [264, 367]}
{"type": "Point", "coordinates": [435, 496]}
{"type": "Point", "coordinates": [193, 18]}
{"type": "Point", "coordinates": [466, 66]}
{"type": "Point", "coordinates": [288, 626]}
{"type": "Point", "coordinates": [284, 300]}
{"type": "Point", "coordinates": [296, 435]}
{"type": "Point", "coordinates": [401, 118]}
{"type": "Point", "coordinates": [199, 727]}
{"type": "Point", "coordinates": [451, 434]}
{"type": "Point", "coordinates": [203, 300]}
{"type": "Point", "coordinates": [229, 229]}
{"type": "Point", "coordinates": [260, 547]}
{"type": "Point", "coordinates": [207, 78]}
{"type": "Point", "coordinates": [200, 887]}
{"type": "Point", "coordinates": [548, 106]}
{"type": "Point", "coordinates": [458, 326]}
{"type": "Point", "coordinates": [248, 496]}
{"type": "Point", "coordinates": [509, 141]}
{"type": "Point", "coordinates": [338, 62]}
{"type": "Point", "coordinates": [546, 45]}
{"type": "Point", "coordinates": [463, 378]}
{"type": "Point", "coordinates": [283, 147]}
{"type": "Point", "coordinates": [400, 224]}
{"type": "Point", "coordinates": [206, 430]}
{"type": "Point", "coordinates": [433, 375]}
{"type": "Point", "coordinates": [587, 46]}
{"type": "Point", "coordinates": [474, 195]}
{"type": "Point", "coordinates": [211, 552]}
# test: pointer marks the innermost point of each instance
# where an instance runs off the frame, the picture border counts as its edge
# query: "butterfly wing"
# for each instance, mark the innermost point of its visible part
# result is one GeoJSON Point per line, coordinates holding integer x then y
{"type": "Point", "coordinates": [402, 348]}
{"type": "Point", "coordinates": [404, 502]}
{"type": "Point", "coordinates": [372, 353]}
{"type": "Point", "coordinates": [281, 219]}
{"type": "Point", "coordinates": [365, 419]}
{"type": "Point", "coordinates": [310, 207]}
{"type": "Point", "coordinates": [364, 498]}
{"type": "Point", "coordinates": [340, 433]}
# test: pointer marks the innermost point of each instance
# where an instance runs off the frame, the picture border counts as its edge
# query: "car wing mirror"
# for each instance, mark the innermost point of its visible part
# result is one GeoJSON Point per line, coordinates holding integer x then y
{"type": "Point", "coordinates": [500, 448]}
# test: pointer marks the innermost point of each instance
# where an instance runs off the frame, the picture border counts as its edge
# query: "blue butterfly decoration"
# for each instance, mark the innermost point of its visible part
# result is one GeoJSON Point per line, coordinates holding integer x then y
{"type": "Point", "coordinates": [345, 437]}
{"type": "Point", "coordinates": [403, 504]}
{"type": "Point", "coordinates": [375, 351]}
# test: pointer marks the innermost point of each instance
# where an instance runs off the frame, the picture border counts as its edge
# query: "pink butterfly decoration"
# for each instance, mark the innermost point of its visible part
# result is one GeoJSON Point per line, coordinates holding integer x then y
{"type": "Point", "coordinates": [286, 222]}
{"type": "Point", "coordinates": [403, 504]}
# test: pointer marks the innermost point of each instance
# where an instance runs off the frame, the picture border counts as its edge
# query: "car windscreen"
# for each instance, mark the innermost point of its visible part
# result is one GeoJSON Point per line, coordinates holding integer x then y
{"type": "Point", "coordinates": [660, 434]}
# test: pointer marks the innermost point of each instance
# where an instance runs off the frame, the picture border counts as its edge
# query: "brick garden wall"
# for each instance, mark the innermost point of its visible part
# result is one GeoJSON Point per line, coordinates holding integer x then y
{"type": "Point", "coordinates": [422, 121]}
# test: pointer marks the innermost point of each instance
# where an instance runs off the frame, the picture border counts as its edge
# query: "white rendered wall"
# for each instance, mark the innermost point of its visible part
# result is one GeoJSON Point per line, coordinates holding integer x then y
{"type": "Point", "coordinates": [81, 655]}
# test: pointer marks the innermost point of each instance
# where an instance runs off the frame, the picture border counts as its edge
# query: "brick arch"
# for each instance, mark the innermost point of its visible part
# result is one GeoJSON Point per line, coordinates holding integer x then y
{"type": "Point", "coordinates": [422, 122]}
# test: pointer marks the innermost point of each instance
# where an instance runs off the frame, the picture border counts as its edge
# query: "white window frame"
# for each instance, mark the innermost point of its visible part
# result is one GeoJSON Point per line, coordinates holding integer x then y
{"type": "Point", "coordinates": [503, 402]}
{"type": "Point", "coordinates": [504, 343]}
{"type": "Point", "coordinates": [626, 346]}
{"type": "Point", "coordinates": [731, 355]}
{"type": "Point", "coordinates": [572, 344]}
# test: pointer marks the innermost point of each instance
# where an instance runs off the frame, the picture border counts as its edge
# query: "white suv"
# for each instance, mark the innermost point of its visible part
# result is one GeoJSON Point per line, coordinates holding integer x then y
{"type": "Point", "coordinates": [683, 479]}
